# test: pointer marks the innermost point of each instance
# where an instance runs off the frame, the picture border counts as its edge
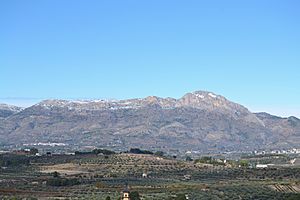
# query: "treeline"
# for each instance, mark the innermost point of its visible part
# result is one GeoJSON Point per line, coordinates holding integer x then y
{"type": "Point", "coordinates": [109, 152]}
{"type": "Point", "coordinates": [95, 152]}
{"type": "Point", "coordinates": [213, 161]}
{"type": "Point", "coordinates": [11, 160]}
{"type": "Point", "coordinates": [140, 151]}
{"type": "Point", "coordinates": [209, 160]}
{"type": "Point", "coordinates": [58, 182]}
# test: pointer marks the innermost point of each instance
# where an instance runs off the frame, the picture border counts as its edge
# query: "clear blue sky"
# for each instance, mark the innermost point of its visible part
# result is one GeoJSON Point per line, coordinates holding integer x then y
{"type": "Point", "coordinates": [247, 51]}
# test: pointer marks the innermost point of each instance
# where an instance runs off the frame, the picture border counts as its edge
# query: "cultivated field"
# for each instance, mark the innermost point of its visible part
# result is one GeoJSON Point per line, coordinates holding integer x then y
{"type": "Point", "coordinates": [91, 176]}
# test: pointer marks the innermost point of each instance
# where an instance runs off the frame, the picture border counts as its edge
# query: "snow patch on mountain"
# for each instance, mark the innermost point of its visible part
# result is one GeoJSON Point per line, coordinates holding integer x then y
{"type": "Point", "coordinates": [199, 95]}
{"type": "Point", "coordinates": [212, 95]}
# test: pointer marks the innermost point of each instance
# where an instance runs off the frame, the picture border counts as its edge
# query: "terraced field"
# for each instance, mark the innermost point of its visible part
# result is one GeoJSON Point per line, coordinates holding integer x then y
{"type": "Point", "coordinates": [100, 176]}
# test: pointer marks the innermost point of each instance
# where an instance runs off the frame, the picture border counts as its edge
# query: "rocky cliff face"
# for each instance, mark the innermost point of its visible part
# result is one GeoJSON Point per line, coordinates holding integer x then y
{"type": "Point", "coordinates": [199, 121]}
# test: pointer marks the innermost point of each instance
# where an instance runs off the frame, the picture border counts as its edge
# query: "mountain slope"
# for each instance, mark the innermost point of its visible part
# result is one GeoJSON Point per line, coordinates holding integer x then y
{"type": "Point", "coordinates": [287, 130]}
{"type": "Point", "coordinates": [7, 110]}
{"type": "Point", "coordinates": [200, 121]}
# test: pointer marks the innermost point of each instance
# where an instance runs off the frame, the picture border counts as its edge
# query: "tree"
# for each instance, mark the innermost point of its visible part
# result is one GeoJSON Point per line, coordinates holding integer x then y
{"type": "Point", "coordinates": [107, 198]}
{"type": "Point", "coordinates": [244, 163]}
{"type": "Point", "coordinates": [180, 197]}
{"type": "Point", "coordinates": [56, 174]}
{"type": "Point", "coordinates": [134, 195]}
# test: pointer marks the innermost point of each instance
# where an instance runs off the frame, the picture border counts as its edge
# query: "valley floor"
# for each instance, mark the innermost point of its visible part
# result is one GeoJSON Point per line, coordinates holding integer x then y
{"type": "Point", "coordinates": [153, 177]}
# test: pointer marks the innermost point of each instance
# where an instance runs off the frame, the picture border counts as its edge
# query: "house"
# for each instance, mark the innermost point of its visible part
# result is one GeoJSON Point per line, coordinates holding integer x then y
{"type": "Point", "coordinates": [293, 161]}
{"type": "Point", "coordinates": [187, 177]}
{"type": "Point", "coordinates": [145, 175]}
{"type": "Point", "coordinates": [261, 166]}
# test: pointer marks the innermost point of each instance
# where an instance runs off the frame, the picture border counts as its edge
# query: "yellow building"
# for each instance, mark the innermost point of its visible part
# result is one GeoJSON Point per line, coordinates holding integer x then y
{"type": "Point", "coordinates": [125, 195]}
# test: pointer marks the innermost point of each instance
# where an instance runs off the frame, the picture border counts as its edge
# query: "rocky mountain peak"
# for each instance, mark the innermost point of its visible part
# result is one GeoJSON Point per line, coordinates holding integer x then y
{"type": "Point", "coordinates": [211, 101]}
{"type": "Point", "coordinates": [152, 99]}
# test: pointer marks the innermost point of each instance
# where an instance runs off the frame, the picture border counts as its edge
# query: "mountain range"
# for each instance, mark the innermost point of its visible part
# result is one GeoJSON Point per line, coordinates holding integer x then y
{"type": "Point", "coordinates": [200, 121]}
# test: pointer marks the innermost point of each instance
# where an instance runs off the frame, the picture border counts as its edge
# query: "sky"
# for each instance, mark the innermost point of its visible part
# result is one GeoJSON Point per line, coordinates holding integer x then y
{"type": "Point", "coordinates": [247, 51]}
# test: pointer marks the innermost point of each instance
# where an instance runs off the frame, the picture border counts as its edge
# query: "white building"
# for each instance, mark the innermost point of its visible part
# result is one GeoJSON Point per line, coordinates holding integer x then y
{"type": "Point", "coordinates": [261, 166]}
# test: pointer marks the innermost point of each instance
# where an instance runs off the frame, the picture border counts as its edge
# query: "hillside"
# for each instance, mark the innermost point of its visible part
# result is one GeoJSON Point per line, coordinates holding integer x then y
{"type": "Point", "coordinates": [200, 121]}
